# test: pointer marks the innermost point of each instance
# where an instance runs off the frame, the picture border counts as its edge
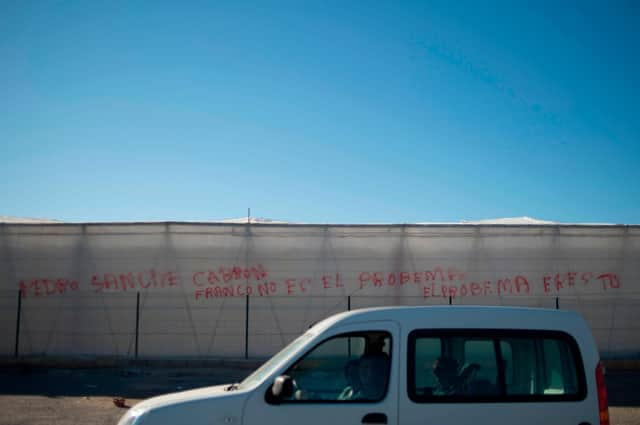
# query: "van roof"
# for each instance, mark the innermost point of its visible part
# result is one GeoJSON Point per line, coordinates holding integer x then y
{"type": "Point", "coordinates": [495, 317]}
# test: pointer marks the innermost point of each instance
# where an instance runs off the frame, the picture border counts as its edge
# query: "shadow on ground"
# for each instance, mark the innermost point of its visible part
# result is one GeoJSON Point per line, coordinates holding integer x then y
{"type": "Point", "coordinates": [135, 383]}
{"type": "Point", "coordinates": [623, 387]}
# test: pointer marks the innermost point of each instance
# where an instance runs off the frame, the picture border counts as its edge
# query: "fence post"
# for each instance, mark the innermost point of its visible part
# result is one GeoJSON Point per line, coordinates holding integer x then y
{"type": "Point", "coordinates": [348, 302]}
{"type": "Point", "coordinates": [137, 320]}
{"type": "Point", "coordinates": [17, 352]}
{"type": "Point", "coordinates": [557, 304]}
{"type": "Point", "coordinates": [246, 328]}
{"type": "Point", "coordinates": [449, 299]}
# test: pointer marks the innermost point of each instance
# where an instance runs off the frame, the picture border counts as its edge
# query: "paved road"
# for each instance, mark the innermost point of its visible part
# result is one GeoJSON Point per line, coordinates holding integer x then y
{"type": "Point", "coordinates": [74, 397]}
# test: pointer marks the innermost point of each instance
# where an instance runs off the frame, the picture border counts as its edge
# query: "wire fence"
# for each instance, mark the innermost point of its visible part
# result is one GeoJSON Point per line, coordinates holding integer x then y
{"type": "Point", "coordinates": [160, 325]}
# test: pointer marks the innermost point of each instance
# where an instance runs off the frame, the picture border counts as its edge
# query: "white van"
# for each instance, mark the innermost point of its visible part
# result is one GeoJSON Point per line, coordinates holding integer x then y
{"type": "Point", "coordinates": [412, 365]}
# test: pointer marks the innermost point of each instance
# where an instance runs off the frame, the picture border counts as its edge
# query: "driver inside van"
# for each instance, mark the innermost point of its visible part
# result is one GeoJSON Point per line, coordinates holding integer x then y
{"type": "Point", "coordinates": [373, 372]}
{"type": "Point", "coordinates": [353, 381]}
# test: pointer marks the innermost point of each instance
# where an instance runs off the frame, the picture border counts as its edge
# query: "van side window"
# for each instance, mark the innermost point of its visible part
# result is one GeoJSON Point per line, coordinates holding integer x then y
{"type": "Point", "coordinates": [480, 370]}
{"type": "Point", "coordinates": [351, 367]}
{"type": "Point", "coordinates": [544, 367]}
{"type": "Point", "coordinates": [493, 365]}
{"type": "Point", "coordinates": [426, 353]}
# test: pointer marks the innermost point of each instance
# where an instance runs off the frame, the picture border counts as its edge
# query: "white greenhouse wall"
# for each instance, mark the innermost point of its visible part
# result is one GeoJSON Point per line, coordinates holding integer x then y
{"type": "Point", "coordinates": [80, 281]}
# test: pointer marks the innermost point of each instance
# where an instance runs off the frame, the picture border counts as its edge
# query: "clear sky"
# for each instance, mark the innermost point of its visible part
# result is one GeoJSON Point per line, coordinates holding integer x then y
{"type": "Point", "coordinates": [323, 112]}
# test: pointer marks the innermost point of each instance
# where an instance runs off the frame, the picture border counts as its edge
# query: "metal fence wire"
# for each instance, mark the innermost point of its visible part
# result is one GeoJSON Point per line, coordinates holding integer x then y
{"type": "Point", "coordinates": [164, 326]}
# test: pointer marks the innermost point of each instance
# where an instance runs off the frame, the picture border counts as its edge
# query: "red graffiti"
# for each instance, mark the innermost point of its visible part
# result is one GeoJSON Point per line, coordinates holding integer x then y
{"type": "Point", "coordinates": [263, 289]}
{"type": "Point", "coordinates": [519, 285]}
{"type": "Point", "coordinates": [332, 281]}
{"type": "Point", "coordinates": [267, 288]}
{"type": "Point", "coordinates": [378, 279]}
{"type": "Point", "coordinates": [240, 290]}
{"type": "Point", "coordinates": [229, 274]}
{"type": "Point", "coordinates": [453, 290]}
{"type": "Point", "coordinates": [252, 281]}
{"type": "Point", "coordinates": [297, 286]}
{"type": "Point", "coordinates": [567, 281]}
{"type": "Point", "coordinates": [47, 287]}
{"type": "Point", "coordinates": [133, 280]}
{"type": "Point", "coordinates": [609, 281]}
{"type": "Point", "coordinates": [238, 273]}
{"type": "Point", "coordinates": [560, 281]}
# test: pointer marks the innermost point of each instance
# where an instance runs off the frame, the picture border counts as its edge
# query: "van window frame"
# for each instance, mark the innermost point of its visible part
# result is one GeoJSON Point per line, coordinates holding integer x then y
{"type": "Point", "coordinates": [355, 333]}
{"type": "Point", "coordinates": [497, 335]}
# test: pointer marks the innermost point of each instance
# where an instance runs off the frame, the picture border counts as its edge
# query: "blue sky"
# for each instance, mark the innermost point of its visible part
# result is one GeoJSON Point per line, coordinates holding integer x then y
{"type": "Point", "coordinates": [324, 112]}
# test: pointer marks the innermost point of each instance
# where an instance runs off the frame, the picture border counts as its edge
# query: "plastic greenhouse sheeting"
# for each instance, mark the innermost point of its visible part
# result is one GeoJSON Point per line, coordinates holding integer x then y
{"type": "Point", "coordinates": [199, 283]}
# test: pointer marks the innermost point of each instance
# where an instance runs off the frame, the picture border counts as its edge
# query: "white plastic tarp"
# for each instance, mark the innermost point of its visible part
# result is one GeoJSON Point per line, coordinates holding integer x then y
{"type": "Point", "coordinates": [80, 282]}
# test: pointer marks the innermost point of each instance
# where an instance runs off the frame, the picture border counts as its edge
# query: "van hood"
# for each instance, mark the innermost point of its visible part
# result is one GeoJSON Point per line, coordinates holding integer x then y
{"type": "Point", "coordinates": [210, 405]}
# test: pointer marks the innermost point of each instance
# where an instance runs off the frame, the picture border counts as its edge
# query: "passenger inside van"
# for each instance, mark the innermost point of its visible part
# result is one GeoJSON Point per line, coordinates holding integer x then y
{"type": "Point", "coordinates": [448, 382]}
{"type": "Point", "coordinates": [454, 380]}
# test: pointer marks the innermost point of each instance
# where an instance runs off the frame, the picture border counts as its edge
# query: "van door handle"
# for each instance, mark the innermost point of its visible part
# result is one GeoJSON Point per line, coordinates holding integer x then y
{"type": "Point", "coordinates": [374, 418]}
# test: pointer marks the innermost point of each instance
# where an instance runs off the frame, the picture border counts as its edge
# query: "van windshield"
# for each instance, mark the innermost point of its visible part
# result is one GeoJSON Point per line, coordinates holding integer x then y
{"type": "Point", "coordinates": [259, 374]}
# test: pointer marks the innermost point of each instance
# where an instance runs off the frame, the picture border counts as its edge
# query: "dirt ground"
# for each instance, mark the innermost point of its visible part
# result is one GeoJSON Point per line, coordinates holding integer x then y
{"type": "Point", "coordinates": [76, 396]}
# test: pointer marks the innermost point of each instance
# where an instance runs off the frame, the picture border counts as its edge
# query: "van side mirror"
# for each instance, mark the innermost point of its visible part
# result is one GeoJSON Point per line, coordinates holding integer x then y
{"type": "Point", "coordinates": [282, 388]}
